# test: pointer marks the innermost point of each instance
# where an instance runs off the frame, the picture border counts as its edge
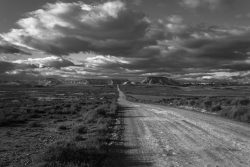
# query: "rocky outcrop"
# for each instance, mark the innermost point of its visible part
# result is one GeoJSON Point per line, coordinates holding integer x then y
{"type": "Point", "coordinates": [152, 80]}
{"type": "Point", "coordinates": [48, 82]}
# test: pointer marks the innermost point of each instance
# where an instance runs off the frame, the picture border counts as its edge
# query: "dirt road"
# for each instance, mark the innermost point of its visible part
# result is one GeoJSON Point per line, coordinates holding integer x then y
{"type": "Point", "coordinates": [161, 136]}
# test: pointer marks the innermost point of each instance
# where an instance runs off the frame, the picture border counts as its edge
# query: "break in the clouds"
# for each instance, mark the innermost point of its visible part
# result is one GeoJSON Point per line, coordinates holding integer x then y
{"type": "Point", "coordinates": [211, 4]}
{"type": "Point", "coordinates": [9, 48]}
{"type": "Point", "coordinates": [111, 39]}
{"type": "Point", "coordinates": [52, 61]}
{"type": "Point", "coordinates": [35, 67]}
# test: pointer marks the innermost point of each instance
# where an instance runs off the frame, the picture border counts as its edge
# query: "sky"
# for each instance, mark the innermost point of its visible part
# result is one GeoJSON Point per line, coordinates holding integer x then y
{"type": "Point", "coordinates": [181, 39]}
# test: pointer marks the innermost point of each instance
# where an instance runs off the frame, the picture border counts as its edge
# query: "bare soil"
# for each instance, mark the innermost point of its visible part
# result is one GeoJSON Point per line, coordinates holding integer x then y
{"type": "Point", "coordinates": [162, 136]}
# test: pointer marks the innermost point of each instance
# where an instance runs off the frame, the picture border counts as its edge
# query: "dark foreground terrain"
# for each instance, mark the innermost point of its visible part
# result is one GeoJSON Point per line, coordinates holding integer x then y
{"type": "Point", "coordinates": [57, 126]}
{"type": "Point", "coordinates": [88, 126]}
{"type": "Point", "coordinates": [162, 136]}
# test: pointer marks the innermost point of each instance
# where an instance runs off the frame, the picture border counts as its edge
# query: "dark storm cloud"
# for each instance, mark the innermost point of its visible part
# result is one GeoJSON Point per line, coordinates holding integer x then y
{"type": "Point", "coordinates": [222, 52]}
{"type": "Point", "coordinates": [126, 42]}
{"type": "Point", "coordinates": [8, 66]}
{"type": "Point", "coordinates": [10, 49]}
{"type": "Point", "coordinates": [243, 66]}
{"type": "Point", "coordinates": [6, 47]}
{"type": "Point", "coordinates": [216, 52]}
{"type": "Point", "coordinates": [64, 28]}
{"type": "Point", "coordinates": [213, 52]}
{"type": "Point", "coordinates": [202, 49]}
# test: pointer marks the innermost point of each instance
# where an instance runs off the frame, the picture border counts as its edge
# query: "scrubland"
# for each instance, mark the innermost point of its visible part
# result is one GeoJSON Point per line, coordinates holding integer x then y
{"type": "Point", "coordinates": [231, 102]}
{"type": "Point", "coordinates": [57, 126]}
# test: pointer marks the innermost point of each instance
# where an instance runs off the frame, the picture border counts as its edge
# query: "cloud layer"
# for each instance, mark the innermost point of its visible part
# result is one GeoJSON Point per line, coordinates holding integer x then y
{"type": "Point", "coordinates": [109, 39]}
{"type": "Point", "coordinates": [64, 28]}
{"type": "Point", "coordinates": [211, 4]}
{"type": "Point", "coordinates": [9, 48]}
{"type": "Point", "coordinates": [52, 61]}
{"type": "Point", "coordinates": [8, 66]}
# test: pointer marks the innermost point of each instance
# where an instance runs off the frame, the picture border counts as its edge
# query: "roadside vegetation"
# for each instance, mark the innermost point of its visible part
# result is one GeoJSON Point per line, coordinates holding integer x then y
{"type": "Point", "coordinates": [57, 127]}
{"type": "Point", "coordinates": [229, 102]}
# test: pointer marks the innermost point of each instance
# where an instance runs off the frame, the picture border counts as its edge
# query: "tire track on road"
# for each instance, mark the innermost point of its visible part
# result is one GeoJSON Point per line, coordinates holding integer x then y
{"type": "Point", "coordinates": [168, 137]}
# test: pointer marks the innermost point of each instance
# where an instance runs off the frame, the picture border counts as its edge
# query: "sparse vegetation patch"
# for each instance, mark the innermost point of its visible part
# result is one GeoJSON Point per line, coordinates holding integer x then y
{"type": "Point", "coordinates": [64, 126]}
{"type": "Point", "coordinates": [233, 103]}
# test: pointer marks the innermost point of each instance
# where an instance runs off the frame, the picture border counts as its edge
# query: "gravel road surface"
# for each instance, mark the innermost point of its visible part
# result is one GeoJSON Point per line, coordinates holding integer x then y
{"type": "Point", "coordinates": [161, 136]}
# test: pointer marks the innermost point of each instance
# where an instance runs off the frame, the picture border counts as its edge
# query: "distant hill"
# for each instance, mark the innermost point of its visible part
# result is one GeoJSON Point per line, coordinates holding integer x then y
{"type": "Point", "coordinates": [128, 83]}
{"type": "Point", "coordinates": [32, 83]}
{"type": "Point", "coordinates": [96, 81]}
{"type": "Point", "coordinates": [106, 81]}
{"type": "Point", "coordinates": [154, 80]}
{"type": "Point", "coordinates": [9, 83]}
{"type": "Point", "coordinates": [118, 81]}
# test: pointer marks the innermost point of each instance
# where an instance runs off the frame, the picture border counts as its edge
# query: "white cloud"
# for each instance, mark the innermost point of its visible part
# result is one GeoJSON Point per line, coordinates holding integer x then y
{"type": "Point", "coordinates": [52, 61]}
{"type": "Point", "coordinates": [191, 3]}
{"type": "Point", "coordinates": [211, 4]}
{"type": "Point", "coordinates": [175, 19]}
{"type": "Point", "coordinates": [221, 75]}
{"type": "Point", "coordinates": [103, 60]}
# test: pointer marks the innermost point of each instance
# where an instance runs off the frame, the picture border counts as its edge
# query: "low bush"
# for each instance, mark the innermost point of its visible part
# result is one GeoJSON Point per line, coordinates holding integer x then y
{"type": "Point", "coordinates": [34, 124]}
{"type": "Point", "coordinates": [62, 127]}
{"type": "Point", "coordinates": [65, 153]}
{"type": "Point", "coordinates": [12, 119]}
{"type": "Point", "coordinates": [82, 115]}
{"type": "Point", "coordinates": [241, 113]}
{"type": "Point", "coordinates": [82, 129]}
{"type": "Point", "coordinates": [207, 103]}
{"type": "Point", "coordinates": [35, 116]}
{"type": "Point", "coordinates": [216, 108]}
{"type": "Point", "coordinates": [79, 138]}
{"type": "Point", "coordinates": [230, 107]}
{"type": "Point", "coordinates": [244, 102]}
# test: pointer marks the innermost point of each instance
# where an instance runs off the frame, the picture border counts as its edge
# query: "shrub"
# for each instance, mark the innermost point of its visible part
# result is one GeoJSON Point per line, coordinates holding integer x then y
{"type": "Point", "coordinates": [244, 102]}
{"type": "Point", "coordinates": [82, 129]}
{"type": "Point", "coordinates": [39, 111]}
{"type": "Point", "coordinates": [2, 117]}
{"type": "Point", "coordinates": [102, 125]}
{"type": "Point", "coordinates": [35, 124]}
{"type": "Point", "coordinates": [216, 108]}
{"type": "Point", "coordinates": [62, 127]}
{"type": "Point", "coordinates": [191, 103]}
{"type": "Point", "coordinates": [79, 138]}
{"type": "Point", "coordinates": [102, 110]}
{"type": "Point", "coordinates": [241, 113]}
{"type": "Point", "coordinates": [12, 119]}
{"type": "Point", "coordinates": [64, 152]}
{"type": "Point", "coordinates": [90, 116]}
{"type": "Point", "coordinates": [207, 103]}
{"type": "Point", "coordinates": [35, 116]}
